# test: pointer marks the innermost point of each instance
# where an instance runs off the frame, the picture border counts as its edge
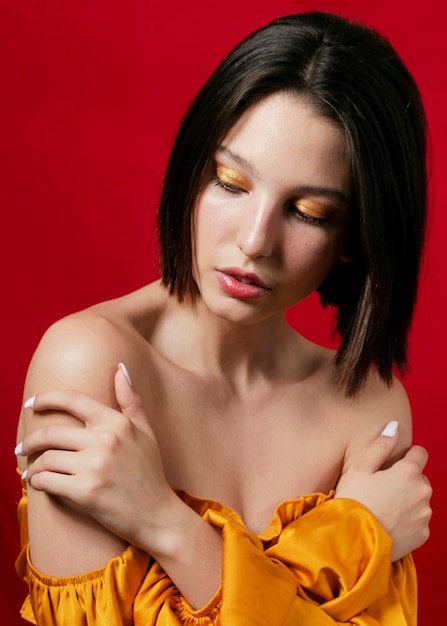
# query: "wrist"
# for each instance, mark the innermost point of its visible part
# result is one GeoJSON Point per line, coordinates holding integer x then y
{"type": "Point", "coordinates": [175, 531]}
{"type": "Point", "coordinates": [189, 550]}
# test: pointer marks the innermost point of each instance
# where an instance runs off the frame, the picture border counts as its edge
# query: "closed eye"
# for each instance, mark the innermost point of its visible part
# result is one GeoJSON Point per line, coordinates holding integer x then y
{"type": "Point", "coordinates": [226, 186]}
{"type": "Point", "coordinates": [230, 179]}
{"type": "Point", "coordinates": [312, 212]}
{"type": "Point", "coordinates": [309, 219]}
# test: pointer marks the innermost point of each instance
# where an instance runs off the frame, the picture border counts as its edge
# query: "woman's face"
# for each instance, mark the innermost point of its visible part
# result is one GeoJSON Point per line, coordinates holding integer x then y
{"type": "Point", "coordinates": [273, 216]}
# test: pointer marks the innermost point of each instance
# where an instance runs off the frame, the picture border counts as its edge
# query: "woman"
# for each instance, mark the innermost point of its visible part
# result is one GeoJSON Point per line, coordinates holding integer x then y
{"type": "Point", "coordinates": [195, 484]}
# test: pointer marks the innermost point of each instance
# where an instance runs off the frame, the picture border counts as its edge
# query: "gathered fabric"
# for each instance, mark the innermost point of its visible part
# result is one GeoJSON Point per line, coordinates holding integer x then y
{"type": "Point", "coordinates": [321, 561]}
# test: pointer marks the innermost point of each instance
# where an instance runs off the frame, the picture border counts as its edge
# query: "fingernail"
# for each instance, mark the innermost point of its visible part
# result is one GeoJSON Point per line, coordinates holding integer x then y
{"type": "Point", "coordinates": [25, 475]}
{"type": "Point", "coordinates": [18, 449]}
{"type": "Point", "coordinates": [29, 404]}
{"type": "Point", "coordinates": [390, 429]}
{"type": "Point", "coordinates": [123, 368]}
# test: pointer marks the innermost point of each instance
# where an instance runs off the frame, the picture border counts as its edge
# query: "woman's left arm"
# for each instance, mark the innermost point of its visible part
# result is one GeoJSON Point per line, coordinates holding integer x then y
{"type": "Point", "coordinates": [377, 459]}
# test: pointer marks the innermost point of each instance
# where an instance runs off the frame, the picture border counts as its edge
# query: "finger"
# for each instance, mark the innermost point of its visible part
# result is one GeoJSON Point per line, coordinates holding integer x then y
{"type": "Point", "coordinates": [54, 461]}
{"type": "Point", "coordinates": [418, 455]}
{"type": "Point", "coordinates": [58, 484]}
{"type": "Point", "coordinates": [380, 449]}
{"type": "Point", "coordinates": [126, 395]}
{"type": "Point", "coordinates": [129, 401]}
{"type": "Point", "coordinates": [56, 437]}
{"type": "Point", "coordinates": [77, 404]}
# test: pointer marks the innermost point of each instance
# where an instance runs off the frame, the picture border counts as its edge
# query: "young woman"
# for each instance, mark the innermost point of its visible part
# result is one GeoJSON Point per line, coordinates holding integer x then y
{"type": "Point", "coordinates": [232, 471]}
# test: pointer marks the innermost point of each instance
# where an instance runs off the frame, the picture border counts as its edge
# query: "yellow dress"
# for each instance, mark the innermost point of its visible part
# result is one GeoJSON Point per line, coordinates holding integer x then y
{"type": "Point", "coordinates": [321, 561]}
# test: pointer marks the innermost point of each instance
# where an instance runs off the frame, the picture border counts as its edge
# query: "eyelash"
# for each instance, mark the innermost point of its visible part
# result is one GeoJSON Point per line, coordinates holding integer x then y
{"type": "Point", "coordinates": [230, 188]}
{"type": "Point", "coordinates": [314, 221]}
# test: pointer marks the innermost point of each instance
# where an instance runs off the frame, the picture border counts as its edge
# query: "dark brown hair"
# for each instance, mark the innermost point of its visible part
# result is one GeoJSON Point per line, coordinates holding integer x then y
{"type": "Point", "coordinates": [351, 75]}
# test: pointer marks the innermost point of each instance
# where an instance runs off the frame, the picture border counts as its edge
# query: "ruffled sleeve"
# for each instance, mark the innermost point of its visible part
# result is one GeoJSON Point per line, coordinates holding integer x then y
{"type": "Point", "coordinates": [321, 561]}
{"type": "Point", "coordinates": [103, 596]}
{"type": "Point", "coordinates": [131, 590]}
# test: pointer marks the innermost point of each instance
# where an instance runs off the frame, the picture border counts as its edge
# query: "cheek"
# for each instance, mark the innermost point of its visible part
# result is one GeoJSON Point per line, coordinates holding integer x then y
{"type": "Point", "coordinates": [211, 220]}
{"type": "Point", "coordinates": [206, 230]}
{"type": "Point", "coordinates": [314, 255]}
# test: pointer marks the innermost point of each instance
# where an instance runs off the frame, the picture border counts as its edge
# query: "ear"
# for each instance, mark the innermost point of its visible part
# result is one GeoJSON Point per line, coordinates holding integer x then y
{"type": "Point", "coordinates": [346, 257]}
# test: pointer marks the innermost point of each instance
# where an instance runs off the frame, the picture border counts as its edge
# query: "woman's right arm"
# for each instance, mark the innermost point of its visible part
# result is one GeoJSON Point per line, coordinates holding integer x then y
{"type": "Point", "coordinates": [76, 353]}
{"type": "Point", "coordinates": [66, 540]}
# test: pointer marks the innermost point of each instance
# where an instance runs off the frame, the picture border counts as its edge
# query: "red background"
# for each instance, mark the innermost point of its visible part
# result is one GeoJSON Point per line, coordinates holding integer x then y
{"type": "Point", "coordinates": [92, 93]}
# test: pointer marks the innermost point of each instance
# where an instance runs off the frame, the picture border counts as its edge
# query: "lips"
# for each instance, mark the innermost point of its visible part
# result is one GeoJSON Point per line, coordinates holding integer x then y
{"type": "Point", "coordinates": [241, 285]}
{"type": "Point", "coordinates": [244, 277]}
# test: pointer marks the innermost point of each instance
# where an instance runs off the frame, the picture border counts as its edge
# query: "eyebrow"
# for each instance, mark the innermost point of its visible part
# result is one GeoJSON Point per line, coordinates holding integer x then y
{"type": "Point", "coordinates": [311, 190]}
{"type": "Point", "coordinates": [328, 192]}
{"type": "Point", "coordinates": [237, 158]}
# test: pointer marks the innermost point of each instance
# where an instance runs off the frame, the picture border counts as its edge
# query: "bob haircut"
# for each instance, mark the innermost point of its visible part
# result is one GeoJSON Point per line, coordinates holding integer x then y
{"type": "Point", "coordinates": [352, 76]}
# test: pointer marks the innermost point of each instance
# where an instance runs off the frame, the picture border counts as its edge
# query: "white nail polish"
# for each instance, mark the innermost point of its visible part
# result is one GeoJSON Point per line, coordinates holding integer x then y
{"type": "Point", "coordinates": [390, 429]}
{"type": "Point", "coordinates": [18, 449]}
{"type": "Point", "coordinates": [25, 475]}
{"type": "Point", "coordinates": [123, 368]}
{"type": "Point", "coordinates": [29, 404]}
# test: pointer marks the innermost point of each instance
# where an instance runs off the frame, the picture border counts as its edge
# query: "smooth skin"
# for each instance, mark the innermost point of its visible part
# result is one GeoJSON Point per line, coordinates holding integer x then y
{"type": "Point", "coordinates": [228, 402]}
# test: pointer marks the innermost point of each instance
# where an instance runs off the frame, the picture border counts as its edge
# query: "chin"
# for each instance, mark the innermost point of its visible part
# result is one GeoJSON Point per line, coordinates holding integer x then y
{"type": "Point", "coordinates": [238, 312]}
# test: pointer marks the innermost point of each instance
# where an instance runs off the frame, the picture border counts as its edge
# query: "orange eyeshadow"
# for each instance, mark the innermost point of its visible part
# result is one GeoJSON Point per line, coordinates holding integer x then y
{"type": "Point", "coordinates": [231, 177]}
{"type": "Point", "coordinates": [313, 209]}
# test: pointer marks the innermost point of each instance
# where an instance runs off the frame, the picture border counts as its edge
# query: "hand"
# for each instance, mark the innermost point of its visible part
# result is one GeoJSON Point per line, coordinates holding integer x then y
{"type": "Point", "coordinates": [399, 496]}
{"type": "Point", "coordinates": [111, 468]}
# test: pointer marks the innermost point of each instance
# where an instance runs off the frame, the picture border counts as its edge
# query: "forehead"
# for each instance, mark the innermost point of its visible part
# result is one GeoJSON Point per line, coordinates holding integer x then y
{"type": "Point", "coordinates": [284, 136]}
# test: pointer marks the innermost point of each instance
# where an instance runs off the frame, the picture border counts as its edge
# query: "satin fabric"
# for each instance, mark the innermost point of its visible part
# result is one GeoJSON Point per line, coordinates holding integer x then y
{"type": "Point", "coordinates": [321, 561]}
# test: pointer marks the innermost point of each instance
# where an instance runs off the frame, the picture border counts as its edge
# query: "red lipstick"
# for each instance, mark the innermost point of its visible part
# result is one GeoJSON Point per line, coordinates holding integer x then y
{"type": "Point", "coordinates": [242, 285]}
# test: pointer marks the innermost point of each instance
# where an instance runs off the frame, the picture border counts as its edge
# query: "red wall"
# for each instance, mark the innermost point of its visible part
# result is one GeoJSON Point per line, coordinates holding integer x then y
{"type": "Point", "coordinates": [92, 93]}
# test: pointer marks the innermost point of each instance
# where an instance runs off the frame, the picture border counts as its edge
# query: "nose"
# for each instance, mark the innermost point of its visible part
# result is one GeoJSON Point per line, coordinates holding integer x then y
{"type": "Point", "coordinates": [258, 230]}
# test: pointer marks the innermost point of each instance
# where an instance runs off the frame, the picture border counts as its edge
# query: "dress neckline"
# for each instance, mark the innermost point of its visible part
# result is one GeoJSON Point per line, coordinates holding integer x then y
{"type": "Point", "coordinates": [285, 512]}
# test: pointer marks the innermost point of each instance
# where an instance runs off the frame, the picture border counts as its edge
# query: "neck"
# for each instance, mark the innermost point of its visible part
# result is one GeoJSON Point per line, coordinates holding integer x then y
{"type": "Point", "coordinates": [240, 354]}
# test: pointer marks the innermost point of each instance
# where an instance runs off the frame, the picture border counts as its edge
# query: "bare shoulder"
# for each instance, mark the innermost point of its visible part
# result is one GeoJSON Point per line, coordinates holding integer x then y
{"type": "Point", "coordinates": [364, 416]}
{"type": "Point", "coordinates": [369, 413]}
{"type": "Point", "coordinates": [75, 352]}
{"type": "Point", "coordinates": [78, 352]}
{"type": "Point", "coordinates": [82, 351]}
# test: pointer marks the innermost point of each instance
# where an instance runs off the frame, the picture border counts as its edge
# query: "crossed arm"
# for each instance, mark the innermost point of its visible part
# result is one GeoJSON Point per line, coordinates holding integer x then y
{"type": "Point", "coordinates": [102, 472]}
